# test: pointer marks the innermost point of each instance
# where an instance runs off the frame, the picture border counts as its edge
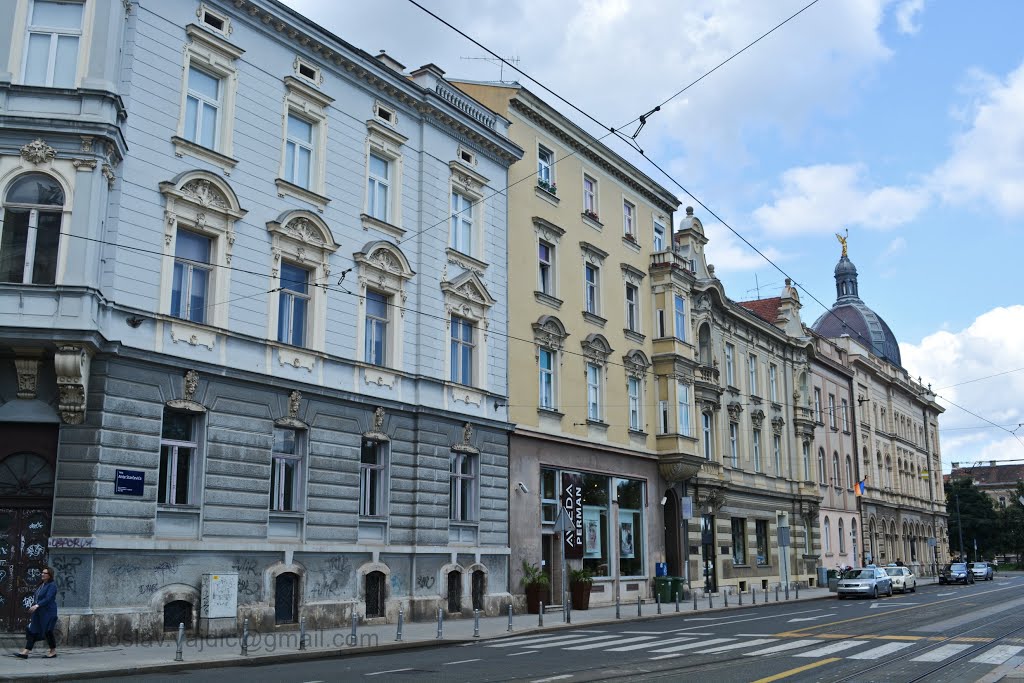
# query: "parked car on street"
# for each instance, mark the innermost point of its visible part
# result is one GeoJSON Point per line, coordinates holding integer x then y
{"type": "Point", "coordinates": [957, 572]}
{"type": "Point", "coordinates": [864, 581]}
{"type": "Point", "coordinates": [982, 570]}
{"type": "Point", "coordinates": [903, 579]}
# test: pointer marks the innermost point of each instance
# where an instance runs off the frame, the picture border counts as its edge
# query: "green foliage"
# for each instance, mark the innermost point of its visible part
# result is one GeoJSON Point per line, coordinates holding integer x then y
{"type": "Point", "coordinates": [580, 576]}
{"type": "Point", "coordinates": [977, 516]}
{"type": "Point", "coordinates": [533, 575]}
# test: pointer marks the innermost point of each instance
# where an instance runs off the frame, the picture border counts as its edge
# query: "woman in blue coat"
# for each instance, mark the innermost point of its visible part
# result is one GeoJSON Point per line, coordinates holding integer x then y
{"type": "Point", "coordinates": [44, 616]}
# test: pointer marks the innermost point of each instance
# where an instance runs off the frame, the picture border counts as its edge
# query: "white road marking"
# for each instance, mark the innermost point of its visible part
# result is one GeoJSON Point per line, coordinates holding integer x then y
{"type": "Point", "coordinates": [389, 671]}
{"type": "Point", "coordinates": [694, 646]}
{"type": "Point", "coordinates": [736, 646]}
{"type": "Point", "coordinates": [461, 661]}
{"type": "Point", "coordinates": [942, 595]}
{"type": "Point", "coordinates": [753, 635]}
{"type": "Point", "coordinates": [829, 649]}
{"type": "Point", "coordinates": [665, 657]}
{"type": "Point", "coordinates": [940, 653]}
{"type": "Point", "coordinates": [882, 651]}
{"type": "Point", "coordinates": [891, 604]}
{"type": "Point", "coordinates": [552, 678]}
{"type": "Point", "coordinates": [587, 639]}
{"type": "Point", "coordinates": [643, 646]}
{"type": "Point", "coordinates": [528, 652]}
{"type": "Point", "coordinates": [997, 655]}
{"type": "Point", "coordinates": [645, 633]}
{"type": "Point", "coordinates": [594, 646]}
{"type": "Point", "coordinates": [530, 641]}
{"type": "Point", "coordinates": [796, 644]}
{"type": "Point", "coordinates": [820, 616]}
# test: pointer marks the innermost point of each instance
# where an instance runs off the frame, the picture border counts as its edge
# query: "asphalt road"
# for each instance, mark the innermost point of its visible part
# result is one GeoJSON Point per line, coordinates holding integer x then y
{"type": "Point", "coordinates": [938, 634]}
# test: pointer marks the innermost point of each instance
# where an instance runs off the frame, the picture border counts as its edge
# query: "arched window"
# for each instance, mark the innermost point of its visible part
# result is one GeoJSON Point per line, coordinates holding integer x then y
{"type": "Point", "coordinates": [826, 536]}
{"type": "Point", "coordinates": [286, 598]}
{"type": "Point", "coordinates": [704, 344]}
{"type": "Point", "coordinates": [835, 469]}
{"type": "Point", "coordinates": [33, 209]}
{"type": "Point", "coordinates": [821, 466]}
{"type": "Point", "coordinates": [849, 471]}
{"type": "Point", "coordinates": [842, 537]}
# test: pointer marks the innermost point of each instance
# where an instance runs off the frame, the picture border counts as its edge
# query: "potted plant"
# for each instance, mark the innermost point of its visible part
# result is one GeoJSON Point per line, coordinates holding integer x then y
{"type": "Point", "coordinates": [536, 583]}
{"type": "Point", "coordinates": [580, 583]}
{"type": "Point", "coordinates": [550, 188]}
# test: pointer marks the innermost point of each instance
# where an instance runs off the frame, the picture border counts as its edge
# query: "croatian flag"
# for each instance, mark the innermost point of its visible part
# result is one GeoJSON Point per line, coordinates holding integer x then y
{"type": "Point", "coordinates": [860, 488]}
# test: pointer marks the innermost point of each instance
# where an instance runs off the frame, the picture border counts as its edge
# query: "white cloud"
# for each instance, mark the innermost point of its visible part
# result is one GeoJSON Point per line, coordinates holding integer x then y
{"type": "Point", "coordinates": [729, 255]}
{"type": "Point", "coordinates": [894, 248]}
{"type": "Point", "coordinates": [906, 13]}
{"type": "Point", "coordinates": [951, 361]}
{"type": "Point", "coordinates": [823, 197]}
{"type": "Point", "coordinates": [987, 163]}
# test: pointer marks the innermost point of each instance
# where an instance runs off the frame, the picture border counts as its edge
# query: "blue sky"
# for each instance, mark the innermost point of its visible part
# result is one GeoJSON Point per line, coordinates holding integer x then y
{"type": "Point", "coordinates": [899, 120]}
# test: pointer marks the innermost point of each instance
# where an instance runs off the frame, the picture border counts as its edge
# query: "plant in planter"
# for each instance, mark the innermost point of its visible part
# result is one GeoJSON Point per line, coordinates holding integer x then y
{"type": "Point", "coordinates": [592, 215]}
{"type": "Point", "coordinates": [547, 187]}
{"type": "Point", "coordinates": [580, 583]}
{"type": "Point", "coordinates": [536, 583]}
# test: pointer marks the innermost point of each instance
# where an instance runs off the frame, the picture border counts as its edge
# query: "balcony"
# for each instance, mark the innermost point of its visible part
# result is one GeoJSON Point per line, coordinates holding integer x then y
{"type": "Point", "coordinates": [706, 385]}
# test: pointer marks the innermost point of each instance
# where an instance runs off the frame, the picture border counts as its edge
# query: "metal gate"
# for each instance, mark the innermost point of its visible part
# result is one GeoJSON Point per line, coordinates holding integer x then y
{"type": "Point", "coordinates": [177, 612]}
{"type": "Point", "coordinates": [375, 582]}
{"type": "Point", "coordinates": [286, 603]}
{"type": "Point", "coordinates": [479, 586]}
{"type": "Point", "coordinates": [454, 591]}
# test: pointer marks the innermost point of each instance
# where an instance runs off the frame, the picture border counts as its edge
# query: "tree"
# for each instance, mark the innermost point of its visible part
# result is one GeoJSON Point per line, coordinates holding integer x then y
{"type": "Point", "coordinates": [977, 517]}
{"type": "Point", "coordinates": [1011, 524]}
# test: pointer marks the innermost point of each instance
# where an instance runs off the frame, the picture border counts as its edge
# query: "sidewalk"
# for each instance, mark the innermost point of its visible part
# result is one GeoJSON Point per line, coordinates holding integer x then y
{"type": "Point", "coordinates": [118, 658]}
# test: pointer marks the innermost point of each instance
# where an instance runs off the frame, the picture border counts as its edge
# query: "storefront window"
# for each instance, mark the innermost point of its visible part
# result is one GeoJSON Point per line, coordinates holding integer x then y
{"type": "Point", "coordinates": [631, 527]}
{"type": "Point", "coordinates": [549, 496]}
{"type": "Point", "coordinates": [595, 525]}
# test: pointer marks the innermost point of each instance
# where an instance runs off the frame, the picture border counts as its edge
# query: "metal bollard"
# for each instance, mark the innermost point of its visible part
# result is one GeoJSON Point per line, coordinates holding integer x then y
{"type": "Point", "coordinates": [776, 592]}
{"type": "Point", "coordinates": [618, 607]}
{"type": "Point", "coordinates": [677, 601]}
{"type": "Point", "coordinates": [753, 595]}
{"type": "Point", "coordinates": [245, 637]}
{"type": "Point", "coordinates": [657, 599]}
{"type": "Point", "coordinates": [302, 630]}
{"type": "Point", "coordinates": [740, 593]}
{"type": "Point", "coordinates": [510, 617]}
{"type": "Point", "coordinates": [639, 607]}
{"type": "Point", "coordinates": [355, 622]}
{"type": "Point", "coordinates": [766, 596]}
{"type": "Point", "coordinates": [787, 591]}
{"type": "Point", "coordinates": [476, 623]}
{"type": "Point", "coordinates": [711, 605]}
{"type": "Point", "coordinates": [694, 601]}
{"type": "Point", "coordinates": [440, 623]}
{"type": "Point", "coordinates": [568, 612]}
{"type": "Point", "coordinates": [181, 641]}
{"type": "Point", "coordinates": [798, 591]}
{"type": "Point", "coordinates": [401, 622]}
{"type": "Point", "coordinates": [725, 594]}
{"type": "Point", "coordinates": [540, 615]}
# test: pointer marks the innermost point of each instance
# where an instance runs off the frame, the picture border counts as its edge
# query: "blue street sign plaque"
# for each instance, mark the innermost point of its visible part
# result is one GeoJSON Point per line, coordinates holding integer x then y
{"type": "Point", "coordinates": [129, 482]}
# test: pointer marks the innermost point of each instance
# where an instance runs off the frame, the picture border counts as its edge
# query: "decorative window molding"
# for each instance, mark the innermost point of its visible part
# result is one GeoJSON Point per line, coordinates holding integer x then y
{"type": "Point", "coordinates": [202, 203]}
{"type": "Point", "coordinates": [596, 349]}
{"type": "Point", "coordinates": [307, 71]}
{"type": "Point", "coordinates": [385, 143]}
{"type": "Point", "coordinates": [216, 57]}
{"type": "Point", "coordinates": [302, 238]}
{"type": "Point", "coordinates": [386, 115]}
{"type": "Point", "coordinates": [466, 296]}
{"type": "Point", "coordinates": [310, 106]}
{"type": "Point", "coordinates": [466, 156]}
{"type": "Point", "coordinates": [549, 333]}
{"type": "Point", "coordinates": [636, 363]}
{"type": "Point", "coordinates": [71, 364]}
{"type": "Point", "coordinates": [381, 267]}
{"type": "Point", "coordinates": [213, 20]}
{"type": "Point", "coordinates": [468, 184]}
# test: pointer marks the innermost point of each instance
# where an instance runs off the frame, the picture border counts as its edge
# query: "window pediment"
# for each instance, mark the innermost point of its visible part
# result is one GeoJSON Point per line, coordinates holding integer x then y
{"type": "Point", "coordinates": [385, 139]}
{"type": "Point", "coordinates": [546, 230]}
{"type": "Point", "coordinates": [305, 228]}
{"type": "Point", "coordinates": [466, 180]}
{"type": "Point", "coordinates": [467, 296]}
{"type": "Point", "coordinates": [382, 265]}
{"type": "Point", "coordinates": [549, 332]}
{"type": "Point", "coordinates": [593, 253]}
{"type": "Point", "coordinates": [633, 276]}
{"type": "Point", "coordinates": [636, 363]}
{"type": "Point", "coordinates": [205, 191]}
{"type": "Point", "coordinates": [596, 348]}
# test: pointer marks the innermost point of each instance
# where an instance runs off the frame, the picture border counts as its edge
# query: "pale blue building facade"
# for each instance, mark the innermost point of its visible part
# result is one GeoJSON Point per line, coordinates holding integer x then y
{"type": "Point", "coordinates": [252, 322]}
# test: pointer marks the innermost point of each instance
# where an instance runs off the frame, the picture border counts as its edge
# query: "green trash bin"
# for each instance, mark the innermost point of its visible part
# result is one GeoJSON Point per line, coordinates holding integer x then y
{"type": "Point", "coordinates": [663, 588]}
{"type": "Point", "coordinates": [677, 588]}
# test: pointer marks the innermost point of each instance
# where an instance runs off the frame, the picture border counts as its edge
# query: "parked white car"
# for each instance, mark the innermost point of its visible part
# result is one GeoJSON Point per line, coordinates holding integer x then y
{"type": "Point", "coordinates": [903, 579]}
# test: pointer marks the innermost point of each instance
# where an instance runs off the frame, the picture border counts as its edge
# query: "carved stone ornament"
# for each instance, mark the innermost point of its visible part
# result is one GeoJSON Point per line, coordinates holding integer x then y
{"type": "Point", "coordinates": [734, 409]}
{"type": "Point", "coordinates": [108, 173]}
{"type": "Point", "coordinates": [28, 375]}
{"type": "Point", "coordinates": [757, 418]}
{"type": "Point", "coordinates": [205, 194]}
{"type": "Point", "coordinates": [188, 403]}
{"type": "Point", "coordinates": [777, 424]}
{"type": "Point", "coordinates": [678, 470]}
{"type": "Point", "coordinates": [293, 404]}
{"type": "Point", "coordinates": [712, 501]}
{"type": "Point", "coordinates": [191, 384]}
{"type": "Point", "coordinates": [376, 431]}
{"type": "Point", "coordinates": [71, 364]}
{"type": "Point", "coordinates": [38, 152]}
{"type": "Point", "coordinates": [465, 446]}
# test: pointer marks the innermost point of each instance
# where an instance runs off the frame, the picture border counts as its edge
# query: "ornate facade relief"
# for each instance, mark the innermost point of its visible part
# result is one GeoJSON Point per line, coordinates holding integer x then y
{"type": "Point", "coordinates": [466, 445]}
{"type": "Point", "coordinates": [549, 333]}
{"type": "Point", "coordinates": [38, 152]}
{"type": "Point", "coordinates": [190, 385]}
{"type": "Point", "coordinates": [71, 364]}
{"type": "Point", "coordinates": [28, 376]}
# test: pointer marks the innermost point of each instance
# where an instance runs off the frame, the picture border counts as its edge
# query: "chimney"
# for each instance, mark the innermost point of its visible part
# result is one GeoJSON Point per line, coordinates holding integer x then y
{"type": "Point", "coordinates": [390, 62]}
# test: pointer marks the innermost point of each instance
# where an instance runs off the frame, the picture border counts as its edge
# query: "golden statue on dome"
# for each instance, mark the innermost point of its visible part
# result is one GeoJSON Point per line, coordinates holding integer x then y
{"type": "Point", "coordinates": [842, 240]}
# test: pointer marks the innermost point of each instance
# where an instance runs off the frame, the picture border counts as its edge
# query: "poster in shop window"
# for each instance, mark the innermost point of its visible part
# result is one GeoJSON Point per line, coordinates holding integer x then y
{"type": "Point", "coordinates": [626, 540]}
{"type": "Point", "coordinates": [572, 508]}
{"type": "Point", "coordinates": [591, 532]}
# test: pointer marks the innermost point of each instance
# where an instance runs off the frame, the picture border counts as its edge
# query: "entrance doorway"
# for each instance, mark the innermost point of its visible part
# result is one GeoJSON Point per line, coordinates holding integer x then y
{"type": "Point", "coordinates": [28, 456]}
{"type": "Point", "coordinates": [707, 540]}
{"type": "Point", "coordinates": [672, 555]}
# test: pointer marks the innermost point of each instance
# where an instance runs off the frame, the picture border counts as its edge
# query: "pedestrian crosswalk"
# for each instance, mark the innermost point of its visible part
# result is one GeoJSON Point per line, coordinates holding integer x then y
{"type": "Point", "coordinates": [676, 644]}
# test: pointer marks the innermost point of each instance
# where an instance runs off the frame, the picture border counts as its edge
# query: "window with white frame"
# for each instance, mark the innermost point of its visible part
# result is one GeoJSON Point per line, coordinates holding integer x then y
{"type": "Point", "coordinates": [546, 378]}
{"type": "Point", "coordinates": [659, 236]}
{"type": "Point", "coordinates": [304, 154]}
{"type": "Point", "coordinates": [822, 472]}
{"type": "Point", "coordinates": [469, 303]}
{"type": "Point", "coordinates": [752, 371]}
{"type": "Point", "coordinates": [835, 469]}
{"type": "Point", "coordinates": [203, 105]}
{"type": "Point", "coordinates": [707, 425]}
{"type": "Point", "coordinates": [384, 167]}
{"type": "Point", "coordinates": [734, 448]}
{"type": "Point", "coordinates": [546, 268]}
{"type": "Point", "coordinates": [807, 461]}
{"type": "Point", "coordinates": [298, 151]}
{"type": "Point", "coordinates": [849, 471]}
{"type": "Point", "coordinates": [663, 417]}
{"type": "Point", "coordinates": [842, 537]}
{"type": "Point", "coordinates": [826, 536]}
{"type": "Point", "coordinates": [286, 475]}
{"type": "Point", "coordinates": [593, 392]}
{"type": "Point", "coordinates": [378, 200]}
{"type": "Point", "coordinates": [592, 288]}
{"type": "Point", "coordinates": [756, 447]}
{"type": "Point", "coordinates": [832, 411]}
{"type": "Point", "coordinates": [817, 405]}
{"type": "Point", "coordinates": [179, 459]}
{"type": "Point", "coordinates": [777, 452]}
{"type": "Point", "coordinates": [679, 308]}
{"type": "Point", "coordinates": [375, 342]}
{"type": "Point", "coordinates": [632, 307]}
{"type": "Point", "coordinates": [773, 382]}
{"type": "Point", "coordinates": [373, 489]}
{"type": "Point", "coordinates": [590, 197]}
{"type": "Point", "coordinates": [293, 305]}
{"type": "Point", "coordinates": [30, 235]}
{"type": "Point", "coordinates": [730, 365]}
{"type": "Point", "coordinates": [462, 505]}
{"type": "Point", "coordinates": [683, 407]}
{"type": "Point", "coordinates": [462, 349]}
{"type": "Point", "coordinates": [52, 49]}
{"type": "Point", "coordinates": [633, 393]}
{"type": "Point", "coordinates": [629, 219]}
{"type": "Point", "coordinates": [192, 274]}
{"type": "Point", "coordinates": [462, 224]}
{"type": "Point", "coordinates": [845, 408]}
{"type": "Point", "coordinates": [545, 168]}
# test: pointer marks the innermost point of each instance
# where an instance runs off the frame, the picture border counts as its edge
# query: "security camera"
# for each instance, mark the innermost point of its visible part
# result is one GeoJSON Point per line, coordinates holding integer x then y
{"type": "Point", "coordinates": [522, 487]}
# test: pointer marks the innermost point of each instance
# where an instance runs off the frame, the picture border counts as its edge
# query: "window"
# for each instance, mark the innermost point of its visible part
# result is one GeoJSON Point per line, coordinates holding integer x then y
{"type": "Point", "coordinates": [546, 268]}
{"type": "Point", "coordinates": [757, 450]}
{"type": "Point", "coordinates": [629, 219]}
{"type": "Point", "coordinates": [462, 350]}
{"type": "Point", "coordinates": [706, 429]}
{"type": "Point", "coordinates": [761, 529]}
{"type": "Point", "coordinates": [826, 536]}
{"type": "Point", "coordinates": [632, 308]}
{"type": "Point", "coordinates": [191, 279]}
{"type": "Point", "coordinates": [773, 387]}
{"type": "Point", "coordinates": [178, 459]}
{"type": "Point", "coordinates": [545, 167]}
{"type": "Point", "coordinates": [777, 451]}
{"type": "Point", "coordinates": [214, 20]}
{"type": "Point", "coordinates": [739, 540]}
{"type": "Point", "coordinates": [663, 417]}
{"type": "Point", "coordinates": [831, 411]}
{"type": "Point", "coordinates": [376, 334]}
{"type": "Point", "coordinates": [821, 466]}
{"type": "Point", "coordinates": [680, 317]}
{"type": "Point", "coordinates": [842, 537]}
{"type": "Point", "coordinates": [683, 408]}
{"type": "Point", "coordinates": [293, 304]}
{"type": "Point", "coordinates": [203, 103]}
{"type": "Point", "coordinates": [633, 391]}
{"type": "Point", "coordinates": [659, 236]}
{"type": "Point", "coordinates": [590, 197]}
{"type": "Point", "coordinates": [378, 188]}
{"type": "Point", "coordinates": [285, 471]}
{"type": "Point", "coordinates": [593, 392]}
{"type": "Point", "coordinates": [630, 495]}
{"type": "Point", "coordinates": [549, 495]}
{"type": "Point", "coordinates": [752, 370]}
{"type": "Point", "coordinates": [308, 71]}
{"type": "Point", "coordinates": [591, 288]}
{"type": "Point", "coordinates": [373, 478]}
{"type": "Point", "coordinates": [51, 57]}
{"type": "Point", "coordinates": [849, 472]}
{"type": "Point", "coordinates": [817, 405]}
{"type": "Point", "coordinates": [734, 453]}
{"type": "Point", "coordinates": [463, 488]}
{"type": "Point", "coordinates": [730, 365]}
{"type": "Point", "coordinates": [844, 407]}
{"type": "Point", "coordinates": [546, 378]}
{"type": "Point", "coordinates": [807, 461]}
{"type": "Point", "coordinates": [30, 233]}
{"type": "Point", "coordinates": [835, 469]}
{"type": "Point", "coordinates": [462, 224]}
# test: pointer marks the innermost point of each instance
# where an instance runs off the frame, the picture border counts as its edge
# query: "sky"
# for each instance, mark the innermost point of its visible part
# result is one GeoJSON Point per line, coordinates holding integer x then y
{"type": "Point", "coordinates": [899, 121]}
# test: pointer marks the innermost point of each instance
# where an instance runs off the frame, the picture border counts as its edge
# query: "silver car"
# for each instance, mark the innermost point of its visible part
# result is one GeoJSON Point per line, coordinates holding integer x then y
{"type": "Point", "coordinates": [903, 579]}
{"type": "Point", "coordinates": [866, 582]}
{"type": "Point", "coordinates": [982, 570]}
